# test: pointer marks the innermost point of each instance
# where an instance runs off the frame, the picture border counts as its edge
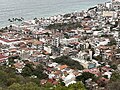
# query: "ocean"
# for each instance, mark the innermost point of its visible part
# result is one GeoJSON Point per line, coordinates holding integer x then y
{"type": "Point", "coordinates": [28, 9]}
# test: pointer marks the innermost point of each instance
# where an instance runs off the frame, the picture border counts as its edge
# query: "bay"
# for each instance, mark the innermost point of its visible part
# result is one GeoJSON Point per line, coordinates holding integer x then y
{"type": "Point", "coordinates": [41, 8]}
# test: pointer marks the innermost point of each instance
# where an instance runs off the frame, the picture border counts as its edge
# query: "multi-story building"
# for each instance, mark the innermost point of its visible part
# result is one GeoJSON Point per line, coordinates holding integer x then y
{"type": "Point", "coordinates": [116, 4]}
{"type": "Point", "coordinates": [56, 41]}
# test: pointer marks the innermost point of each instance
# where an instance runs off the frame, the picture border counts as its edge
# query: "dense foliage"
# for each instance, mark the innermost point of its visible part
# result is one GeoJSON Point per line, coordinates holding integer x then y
{"type": "Point", "coordinates": [29, 70]}
{"type": "Point", "coordinates": [64, 26]}
{"type": "Point", "coordinates": [85, 76]}
{"type": "Point", "coordinates": [114, 83]}
{"type": "Point", "coordinates": [10, 80]}
{"type": "Point", "coordinates": [9, 76]}
{"type": "Point", "coordinates": [115, 77]}
{"type": "Point", "coordinates": [48, 86]}
{"type": "Point", "coordinates": [112, 42]}
{"type": "Point", "coordinates": [68, 61]}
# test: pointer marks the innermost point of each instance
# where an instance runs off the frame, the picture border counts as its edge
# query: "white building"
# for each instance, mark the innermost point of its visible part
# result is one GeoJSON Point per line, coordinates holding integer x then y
{"type": "Point", "coordinates": [48, 49]}
{"type": "Point", "coordinates": [70, 79]}
{"type": "Point", "coordinates": [68, 41]}
{"type": "Point", "coordinates": [112, 14]}
{"type": "Point", "coordinates": [108, 5]}
{"type": "Point", "coordinates": [116, 4]}
{"type": "Point", "coordinates": [56, 42]}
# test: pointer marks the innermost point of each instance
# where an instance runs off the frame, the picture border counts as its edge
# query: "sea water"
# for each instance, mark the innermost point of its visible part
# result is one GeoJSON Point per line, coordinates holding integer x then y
{"type": "Point", "coordinates": [41, 8]}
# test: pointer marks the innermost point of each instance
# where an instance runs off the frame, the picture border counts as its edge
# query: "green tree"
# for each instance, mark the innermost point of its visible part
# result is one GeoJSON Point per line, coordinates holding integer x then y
{"type": "Point", "coordinates": [48, 86]}
{"type": "Point", "coordinates": [10, 81]}
{"type": "Point", "coordinates": [68, 61]}
{"type": "Point", "coordinates": [31, 86]}
{"type": "Point", "coordinates": [114, 85]}
{"type": "Point", "coordinates": [113, 66]}
{"type": "Point", "coordinates": [39, 72]}
{"type": "Point", "coordinates": [28, 70]}
{"type": "Point", "coordinates": [15, 86]}
{"type": "Point", "coordinates": [61, 82]}
{"type": "Point", "coordinates": [76, 86]}
{"type": "Point", "coordinates": [112, 42]}
{"type": "Point", "coordinates": [11, 60]}
{"type": "Point", "coordinates": [3, 78]}
{"type": "Point", "coordinates": [1, 88]}
{"type": "Point", "coordinates": [27, 86]}
{"type": "Point", "coordinates": [64, 26]}
{"type": "Point", "coordinates": [85, 76]}
{"type": "Point", "coordinates": [59, 87]}
{"type": "Point", "coordinates": [115, 77]}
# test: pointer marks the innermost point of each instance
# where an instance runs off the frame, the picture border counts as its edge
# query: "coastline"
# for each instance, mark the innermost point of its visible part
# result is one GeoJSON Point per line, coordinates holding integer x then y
{"type": "Point", "coordinates": [75, 50]}
{"type": "Point", "coordinates": [16, 23]}
{"type": "Point", "coordinates": [45, 12]}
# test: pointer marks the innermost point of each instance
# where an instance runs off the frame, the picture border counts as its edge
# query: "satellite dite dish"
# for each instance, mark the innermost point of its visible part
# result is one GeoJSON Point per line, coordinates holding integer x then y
{"type": "Point", "coordinates": [118, 67]}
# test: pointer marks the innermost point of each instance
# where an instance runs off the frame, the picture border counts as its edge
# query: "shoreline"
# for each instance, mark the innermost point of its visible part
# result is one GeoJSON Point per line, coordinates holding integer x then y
{"type": "Point", "coordinates": [48, 16]}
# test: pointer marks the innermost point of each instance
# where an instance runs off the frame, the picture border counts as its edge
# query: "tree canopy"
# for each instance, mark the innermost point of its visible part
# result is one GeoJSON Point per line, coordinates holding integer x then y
{"type": "Point", "coordinates": [68, 61]}
{"type": "Point", "coordinates": [85, 76]}
{"type": "Point", "coordinates": [27, 86]}
{"type": "Point", "coordinates": [38, 71]}
{"type": "Point", "coordinates": [64, 26]}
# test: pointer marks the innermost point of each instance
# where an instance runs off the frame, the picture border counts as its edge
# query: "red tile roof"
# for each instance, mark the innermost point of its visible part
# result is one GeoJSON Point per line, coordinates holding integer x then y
{"type": "Point", "coordinates": [63, 66]}
{"type": "Point", "coordinates": [38, 42]}
{"type": "Point", "coordinates": [6, 40]}
{"type": "Point", "coordinates": [93, 71]}
{"type": "Point", "coordinates": [2, 56]}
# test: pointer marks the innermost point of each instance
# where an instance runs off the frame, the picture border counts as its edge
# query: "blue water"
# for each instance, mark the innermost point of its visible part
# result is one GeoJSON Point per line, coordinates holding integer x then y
{"type": "Point", "coordinates": [41, 8]}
